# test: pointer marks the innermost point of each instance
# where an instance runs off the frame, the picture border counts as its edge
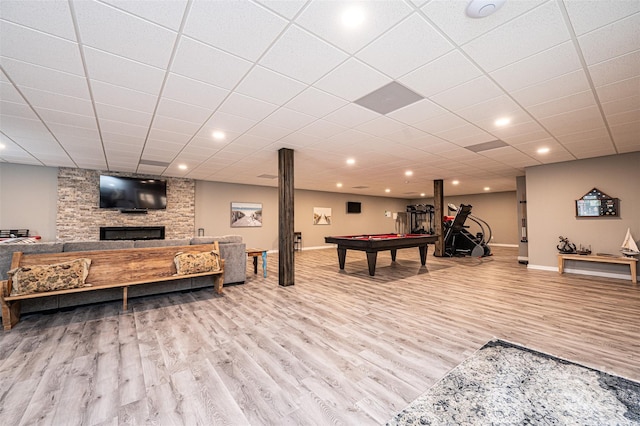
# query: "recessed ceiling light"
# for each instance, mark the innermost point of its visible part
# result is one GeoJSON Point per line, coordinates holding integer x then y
{"type": "Point", "coordinates": [353, 17]}
{"type": "Point", "coordinates": [455, 182]}
{"type": "Point", "coordinates": [351, 161]}
{"type": "Point", "coordinates": [502, 121]}
{"type": "Point", "coordinates": [422, 194]}
{"type": "Point", "coordinates": [218, 135]}
{"type": "Point", "coordinates": [486, 188]}
{"type": "Point", "coordinates": [387, 190]}
{"type": "Point", "coordinates": [182, 167]}
{"type": "Point", "coordinates": [339, 185]}
{"type": "Point", "coordinates": [408, 173]}
{"type": "Point", "coordinates": [544, 150]}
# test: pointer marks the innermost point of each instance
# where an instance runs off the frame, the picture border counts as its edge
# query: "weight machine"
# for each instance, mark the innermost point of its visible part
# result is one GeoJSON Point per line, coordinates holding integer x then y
{"type": "Point", "coordinates": [421, 218]}
{"type": "Point", "coordinates": [460, 242]}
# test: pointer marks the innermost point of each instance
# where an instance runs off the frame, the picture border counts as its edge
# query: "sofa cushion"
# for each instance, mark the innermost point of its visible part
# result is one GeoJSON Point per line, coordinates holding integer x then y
{"type": "Point", "coordinates": [97, 245]}
{"type": "Point", "coordinates": [195, 263]}
{"type": "Point", "coordinates": [226, 239]}
{"type": "Point", "coordinates": [42, 278]}
{"type": "Point", "coordinates": [161, 243]}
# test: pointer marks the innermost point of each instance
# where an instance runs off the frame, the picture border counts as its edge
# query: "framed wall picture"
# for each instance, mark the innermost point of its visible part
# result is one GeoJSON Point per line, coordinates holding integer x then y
{"type": "Point", "coordinates": [246, 215]}
{"type": "Point", "coordinates": [322, 215]}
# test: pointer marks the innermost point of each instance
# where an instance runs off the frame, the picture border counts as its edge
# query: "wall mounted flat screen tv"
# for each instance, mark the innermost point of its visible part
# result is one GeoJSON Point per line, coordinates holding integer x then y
{"type": "Point", "coordinates": [354, 207]}
{"type": "Point", "coordinates": [132, 193]}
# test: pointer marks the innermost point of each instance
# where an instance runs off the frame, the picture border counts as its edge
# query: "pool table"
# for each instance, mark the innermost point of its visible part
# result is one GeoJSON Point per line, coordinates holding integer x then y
{"type": "Point", "coordinates": [372, 244]}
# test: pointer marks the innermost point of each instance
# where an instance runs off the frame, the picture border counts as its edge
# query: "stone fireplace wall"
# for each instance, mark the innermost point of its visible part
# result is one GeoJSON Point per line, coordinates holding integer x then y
{"type": "Point", "coordinates": [79, 216]}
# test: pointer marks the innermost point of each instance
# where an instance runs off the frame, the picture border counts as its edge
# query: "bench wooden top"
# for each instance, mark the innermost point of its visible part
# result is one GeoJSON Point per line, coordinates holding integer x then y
{"type": "Point", "coordinates": [596, 258]}
{"type": "Point", "coordinates": [115, 268]}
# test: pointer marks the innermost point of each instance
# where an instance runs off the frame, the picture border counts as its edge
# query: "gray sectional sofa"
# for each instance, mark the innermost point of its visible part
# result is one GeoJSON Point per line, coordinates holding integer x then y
{"type": "Point", "coordinates": [232, 250]}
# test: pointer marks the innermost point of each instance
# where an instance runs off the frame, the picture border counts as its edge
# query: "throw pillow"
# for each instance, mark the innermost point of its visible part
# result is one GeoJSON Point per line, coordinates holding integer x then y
{"type": "Point", "coordinates": [195, 263]}
{"type": "Point", "coordinates": [43, 278]}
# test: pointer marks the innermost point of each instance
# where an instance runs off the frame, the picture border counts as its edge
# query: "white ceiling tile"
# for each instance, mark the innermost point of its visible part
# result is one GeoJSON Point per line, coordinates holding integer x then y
{"type": "Point", "coordinates": [74, 134]}
{"type": "Point", "coordinates": [615, 39]}
{"type": "Point", "coordinates": [622, 104]}
{"type": "Point", "coordinates": [58, 101]}
{"type": "Point", "coordinates": [324, 18]}
{"type": "Point", "coordinates": [381, 126]}
{"type": "Point", "coordinates": [351, 115]}
{"type": "Point", "coordinates": [323, 129]}
{"type": "Point", "coordinates": [587, 15]}
{"type": "Point", "coordinates": [473, 92]}
{"type": "Point", "coordinates": [245, 106]}
{"type": "Point", "coordinates": [559, 105]}
{"type": "Point", "coordinates": [451, 17]}
{"type": "Point", "coordinates": [268, 131]}
{"type": "Point", "coordinates": [110, 112]}
{"type": "Point", "coordinates": [20, 127]}
{"type": "Point", "coordinates": [8, 93]}
{"type": "Point", "coordinates": [254, 142]}
{"type": "Point", "coordinates": [407, 134]}
{"type": "Point", "coordinates": [44, 50]}
{"type": "Point", "coordinates": [545, 28]}
{"type": "Point", "coordinates": [241, 27]}
{"type": "Point", "coordinates": [485, 113]}
{"type": "Point", "coordinates": [16, 109]}
{"type": "Point", "coordinates": [121, 97]}
{"type": "Point", "coordinates": [624, 118]}
{"type": "Point", "coordinates": [551, 63]}
{"type": "Point", "coordinates": [302, 56]}
{"type": "Point", "coordinates": [417, 111]}
{"type": "Point", "coordinates": [573, 121]}
{"type": "Point", "coordinates": [286, 8]}
{"type": "Point", "coordinates": [205, 63]}
{"type": "Point", "coordinates": [106, 28]}
{"type": "Point", "coordinates": [228, 123]}
{"type": "Point", "coordinates": [193, 92]}
{"type": "Point", "coordinates": [151, 170]}
{"type": "Point", "coordinates": [37, 77]}
{"type": "Point", "coordinates": [167, 13]}
{"type": "Point", "coordinates": [441, 74]}
{"type": "Point", "coordinates": [352, 80]}
{"type": "Point", "coordinates": [289, 119]}
{"type": "Point", "coordinates": [269, 86]}
{"type": "Point", "coordinates": [160, 134]}
{"type": "Point", "coordinates": [616, 69]}
{"type": "Point", "coordinates": [391, 53]}
{"type": "Point", "coordinates": [584, 135]}
{"type": "Point", "coordinates": [123, 72]}
{"type": "Point", "coordinates": [182, 111]}
{"type": "Point", "coordinates": [520, 132]}
{"type": "Point", "coordinates": [622, 88]}
{"type": "Point", "coordinates": [69, 119]}
{"type": "Point", "coordinates": [170, 124]}
{"type": "Point", "coordinates": [315, 102]}
{"type": "Point", "coordinates": [53, 17]}
{"type": "Point", "coordinates": [465, 135]}
{"type": "Point", "coordinates": [118, 127]}
{"type": "Point", "coordinates": [565, 85]}
{"type": "Point", "coordinates": [440, 123]}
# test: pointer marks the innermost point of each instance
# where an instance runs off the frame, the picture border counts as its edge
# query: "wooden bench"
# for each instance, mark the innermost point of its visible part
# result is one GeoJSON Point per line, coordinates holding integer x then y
{"type": "Point", "coordinates": [631, 261]}
{"type": "Point", "coordinates": [109, 269]}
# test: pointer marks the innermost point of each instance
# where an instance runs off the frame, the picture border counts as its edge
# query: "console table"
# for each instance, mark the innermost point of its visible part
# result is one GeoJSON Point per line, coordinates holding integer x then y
{"type": "Point", "coordinates": [631, 261]}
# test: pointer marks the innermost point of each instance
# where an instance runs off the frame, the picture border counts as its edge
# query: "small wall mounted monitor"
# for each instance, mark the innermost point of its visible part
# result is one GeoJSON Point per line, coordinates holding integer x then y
{"type": "Point", "coordinates": [354, 207]}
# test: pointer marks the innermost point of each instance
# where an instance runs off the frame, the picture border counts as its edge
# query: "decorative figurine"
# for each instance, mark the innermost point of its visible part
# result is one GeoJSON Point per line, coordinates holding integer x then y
{"type": "Point", "coordinates": [566, 246]}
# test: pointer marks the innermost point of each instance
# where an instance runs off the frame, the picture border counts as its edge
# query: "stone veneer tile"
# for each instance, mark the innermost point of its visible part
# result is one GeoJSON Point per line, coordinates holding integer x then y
{"type": "Point", "coordinates": [79, 216]}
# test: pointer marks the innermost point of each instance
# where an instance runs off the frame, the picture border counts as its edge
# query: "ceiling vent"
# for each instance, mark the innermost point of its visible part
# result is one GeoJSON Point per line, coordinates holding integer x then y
{"type": "Point", "coordinates": [389, 98]}
{"type": "Point", "coordinates": [360, 187]}
{"type": "Point", "coordinates": [153, 163]}
{"type": "Point", "coordinates": [485, 146]}
{"type": "Point", "coordinates": [483, 8]}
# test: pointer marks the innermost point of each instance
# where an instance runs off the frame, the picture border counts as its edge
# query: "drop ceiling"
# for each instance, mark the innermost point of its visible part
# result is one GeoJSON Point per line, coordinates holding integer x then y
{"type": "Point", "coordinates": [140, 86]}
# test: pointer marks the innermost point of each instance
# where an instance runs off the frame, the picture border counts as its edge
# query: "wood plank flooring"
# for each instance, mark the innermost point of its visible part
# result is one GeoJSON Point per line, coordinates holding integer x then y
{"type": "Point", "coordinates": [335, 348]}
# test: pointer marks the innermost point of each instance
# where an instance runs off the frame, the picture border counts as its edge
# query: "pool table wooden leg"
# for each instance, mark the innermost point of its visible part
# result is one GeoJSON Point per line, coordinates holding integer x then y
{"type": "Point", "coordinates": [371, 261]}
{"type": "Point", "coordinates": [393, 255]}
{"type": "Point", "coordinates": [423, 254]}
{"type": "Point", "coordinates": [342, 255]}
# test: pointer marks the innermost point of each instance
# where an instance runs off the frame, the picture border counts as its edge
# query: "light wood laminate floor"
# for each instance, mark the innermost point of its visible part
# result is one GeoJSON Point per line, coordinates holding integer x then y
{"type": "Point", "coordinates": [336, 348]}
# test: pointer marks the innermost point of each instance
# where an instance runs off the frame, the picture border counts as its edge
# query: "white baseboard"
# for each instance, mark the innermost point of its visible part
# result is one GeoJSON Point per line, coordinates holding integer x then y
{"type": "Point", "coordinates": [502, 245]}
{"type": "Point", "coordinates": [582, 272]}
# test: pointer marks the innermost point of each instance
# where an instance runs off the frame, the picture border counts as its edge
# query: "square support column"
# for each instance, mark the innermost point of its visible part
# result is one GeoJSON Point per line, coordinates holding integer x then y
{"type": "Point", "coordinates": [286, 265]}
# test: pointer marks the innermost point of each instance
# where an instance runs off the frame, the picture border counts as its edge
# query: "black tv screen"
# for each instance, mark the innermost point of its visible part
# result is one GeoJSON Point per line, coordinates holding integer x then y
{"type": "Point", "coordinates": [132, 193]}
{"type": "Point", "coordinates": [353, 207]}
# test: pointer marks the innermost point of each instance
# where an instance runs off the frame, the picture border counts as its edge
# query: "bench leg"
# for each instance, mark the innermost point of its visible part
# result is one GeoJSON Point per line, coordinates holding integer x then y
{"type": "Point", "coordinates": [10, 314]}
{"type": "Point", "coordinates": [125, 293]}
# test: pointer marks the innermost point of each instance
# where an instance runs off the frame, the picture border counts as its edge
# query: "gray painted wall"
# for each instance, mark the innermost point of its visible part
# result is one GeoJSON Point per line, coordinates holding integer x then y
{"type": "Point", "coordinates": [551, 193]}
{"type": "Point", "coordinates": [28, 197]}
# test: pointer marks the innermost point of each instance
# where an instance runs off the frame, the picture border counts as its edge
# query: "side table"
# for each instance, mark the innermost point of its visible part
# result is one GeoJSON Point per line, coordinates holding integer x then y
{"type": "Point", "coordinates": [255, 252]}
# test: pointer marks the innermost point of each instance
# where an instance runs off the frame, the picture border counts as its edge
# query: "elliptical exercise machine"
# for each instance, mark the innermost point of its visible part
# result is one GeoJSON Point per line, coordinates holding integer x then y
{"type": "Point", "coordinates": [460, 242]}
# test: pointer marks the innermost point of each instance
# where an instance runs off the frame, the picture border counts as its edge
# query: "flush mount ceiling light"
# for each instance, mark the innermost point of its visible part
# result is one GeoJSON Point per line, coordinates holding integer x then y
{"type": "Point", "coordinates": [483, 8]}
{"type": "Point", "coordinates": [339, 185]}
{"type": "Point", "coordinates": [543, 150]}
{"type": "Point", "coordinates": [351, 161]}
{"type": "Point", "coordinates": [502, 121]}
{"type": "Point", "coordinates": [182, 167]}
{"type": "Point", "coordinates": [218, 135]}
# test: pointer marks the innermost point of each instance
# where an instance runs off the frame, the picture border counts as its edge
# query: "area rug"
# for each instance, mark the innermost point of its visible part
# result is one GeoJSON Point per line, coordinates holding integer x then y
{"type": "Point", "coordinates": [506, 384]}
